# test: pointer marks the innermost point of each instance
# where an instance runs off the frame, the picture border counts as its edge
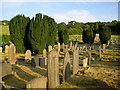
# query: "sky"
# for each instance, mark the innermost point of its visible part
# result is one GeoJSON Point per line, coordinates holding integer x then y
{"type": "Point", "coordinates": [63, 11]}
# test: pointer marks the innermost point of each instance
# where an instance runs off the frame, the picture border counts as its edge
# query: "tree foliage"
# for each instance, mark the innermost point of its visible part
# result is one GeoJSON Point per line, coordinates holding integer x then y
{"type": "Point", "coordinates": [104, 34]}
{"type": "Point", "coordinates": [63, 33]}
{"type": "Point", "coordinates": [17, 28]}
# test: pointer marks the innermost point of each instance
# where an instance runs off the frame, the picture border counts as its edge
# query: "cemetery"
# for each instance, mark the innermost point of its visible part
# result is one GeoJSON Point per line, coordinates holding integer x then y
{"type": "Point", "coordinates": [39, 53]}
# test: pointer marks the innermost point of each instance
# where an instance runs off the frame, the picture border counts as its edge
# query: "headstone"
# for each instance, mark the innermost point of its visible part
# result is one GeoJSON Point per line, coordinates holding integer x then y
{"type": "Point", "coordinates": [89, 58]}
{"type": "Point", "coordinates": [80, 48]}
{"type": "Point", "coordinates": [42, 62]}
{"type": "Point", "coordinates": [58, 47]}
{"type": "Point", "coordinates": [44, 53]}
{"type": "Point", "coordinates": [76, 45]}
{"type": "Point", "coordinates": [37, 83]}
{"type": "Point", "coordinates": [75, 61]}
{"type": "Point", "coordinates": [6, 69]}
{"type": "Point", "coordinates": [49, 48]}
{"type": "Point", "coordinates": [70, 44]}
{"type": "Point", "coordinates": [53, 69]}
{"type": "Point", "coordinates": [33, 64]}
{"type": "Point", "coordinates": [85, 62]}
{"type": "Point", "coordinates": [12, 54]}
{"type": "Point", "coordinates": [27, 55]}
{"type": "Point", "coordinates": [36, 59]}
{"type": "Point", "coordinates": [104, 47]}
{"type": "Point", "coordinates": [6, 48]}
{"type": "Point", "coordinates": [66, 69]}
{"type": "Point", "coordinates": [45, 56]}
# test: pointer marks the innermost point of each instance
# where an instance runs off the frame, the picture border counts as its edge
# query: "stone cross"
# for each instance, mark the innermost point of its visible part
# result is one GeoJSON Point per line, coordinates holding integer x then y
{"type": "Point", "coordinates": [12, 54]}
{"type": "Point", "coordinates": [27, 55]}
{"type": "Point", "coordinates": [37, 83]}
{"type": "Point", "coordinates": [76, 45]}
{"type": "Point", "coordinates": [75, 61]}
{"type": "Point", "coordinates": [66, 69]}
{"type": "Point", "coordinates": [53, 69]}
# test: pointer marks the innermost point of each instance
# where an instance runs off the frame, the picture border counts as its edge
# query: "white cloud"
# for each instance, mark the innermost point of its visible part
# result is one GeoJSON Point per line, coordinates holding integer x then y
{"type": "Point", "coordinates": [77, 15]}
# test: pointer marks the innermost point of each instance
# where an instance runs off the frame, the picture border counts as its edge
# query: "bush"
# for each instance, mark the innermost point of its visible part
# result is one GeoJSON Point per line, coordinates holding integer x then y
{"type": "Point", "coordinates": [104, 34]}
{"type": "Point", "coordinates": [5, 38]}
{"type": "Point", "coordinates": [88, 36]}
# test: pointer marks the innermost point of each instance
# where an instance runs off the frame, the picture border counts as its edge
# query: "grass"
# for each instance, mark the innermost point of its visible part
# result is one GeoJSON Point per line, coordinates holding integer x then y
{"type": "Point", "coordinates": [5, 29]}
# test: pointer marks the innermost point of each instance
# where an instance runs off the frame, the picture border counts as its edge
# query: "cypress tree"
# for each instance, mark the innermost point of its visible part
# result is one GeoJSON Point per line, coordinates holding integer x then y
{"type": "Point", "coordinates": [104, 34]}
{"type": "Point", "coordinates": [17, 28]}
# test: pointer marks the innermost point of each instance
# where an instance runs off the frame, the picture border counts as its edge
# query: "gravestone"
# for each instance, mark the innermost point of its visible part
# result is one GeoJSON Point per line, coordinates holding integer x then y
{"type": "Point", "coordinates": [6, 48]}
{"type": "Point", "coordinates": [37, 60]}
{"type": "Point", "coordinates": [49, 48]}
{"type": "Point", "coordinates": [58, 47]}
{"type": "Point", "coordinates": [6, 69]}
{"type": "Point", "coordinates": [44, 53]}
{"type": "Point", "coordinates": [41, 62]}
{"type": "Point", "coordinates": [45, 56]}
{"type": "Point", "coordinates": [76, 45]}
{"type": "Point", "coordinates": [66, 69]}
{"type": "Point", "coordinates": [104, 47]}
{"type": "Point", "coordinates": [70, 44]}
{"type": "Point", "coordinates": [37, 83]}
{"type": "Point", "coordinates": [89, 58]}
{"type": "Point", "coordinates": [27, 55]}
{"type": "Point", "coordinates": [75, 61]}
{"type": "Point", "coordinates": [33, 64]}
{"type": "Point", "coordinates": [85, 62]}
{"type": "Point", "coordinates": [53, 69]}
{"type": "Point", "coordinates": [12, 54]}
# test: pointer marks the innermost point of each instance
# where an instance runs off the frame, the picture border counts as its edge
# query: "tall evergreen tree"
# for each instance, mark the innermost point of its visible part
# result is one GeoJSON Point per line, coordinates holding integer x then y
{"type": "Point", "coordinates": [17, 28]}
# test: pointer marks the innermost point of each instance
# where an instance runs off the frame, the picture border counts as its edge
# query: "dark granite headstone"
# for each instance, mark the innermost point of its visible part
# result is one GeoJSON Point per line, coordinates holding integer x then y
{"type": "Point", "coordinates": [42, 62]}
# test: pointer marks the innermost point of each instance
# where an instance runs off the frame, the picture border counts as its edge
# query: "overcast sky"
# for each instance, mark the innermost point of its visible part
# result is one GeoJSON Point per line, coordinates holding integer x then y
{"type": "Point", "coordinates": [63, 11]}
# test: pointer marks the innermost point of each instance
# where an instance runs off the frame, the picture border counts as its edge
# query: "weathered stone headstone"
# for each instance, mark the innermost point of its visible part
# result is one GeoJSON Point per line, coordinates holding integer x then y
{"type": "Point", "coordinates": [53, 69]}
{"type": "Point", "coordinates": [37, 60]}
{"type": "Point", "coordinates": [37, 83]}
{"type": "Point", "coordinates": [41, 62]}
{"type": "Point", "coordinates": [6, 69]}
{"type": "Point", "coordinates": [66, 69]}
{"type": "Point", "coordinates": [44, 53]}
{"type": "Point", "coordinates": [12, 54]}
{"type": "Point", "coordinates": [89, 58]}
{"type": "Point", "coordinates": [58, 47]}
{"type": "Point", "coordinates": [85, 62]}
{"type": "Point", "coordinates": [104, 47]}
{"type": "Point", "coordinates": [75, 61]}
{"type": "Point", "coordinates": [49, 48]}
{"type": "Point", "coordinates": [70, 44]}
{"type": "Point", "coordinates": [6, 48]}
{"type": "Point", "coordinates": [45, 56]}
{"type": "Point", "coordinates": [76, 45]}
{"type": "Point", "coordinates": [27, 55]}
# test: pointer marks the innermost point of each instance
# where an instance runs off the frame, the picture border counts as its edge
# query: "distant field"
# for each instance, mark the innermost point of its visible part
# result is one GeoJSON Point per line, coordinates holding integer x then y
{"type": "Point", "coordinates": [5, 29]}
